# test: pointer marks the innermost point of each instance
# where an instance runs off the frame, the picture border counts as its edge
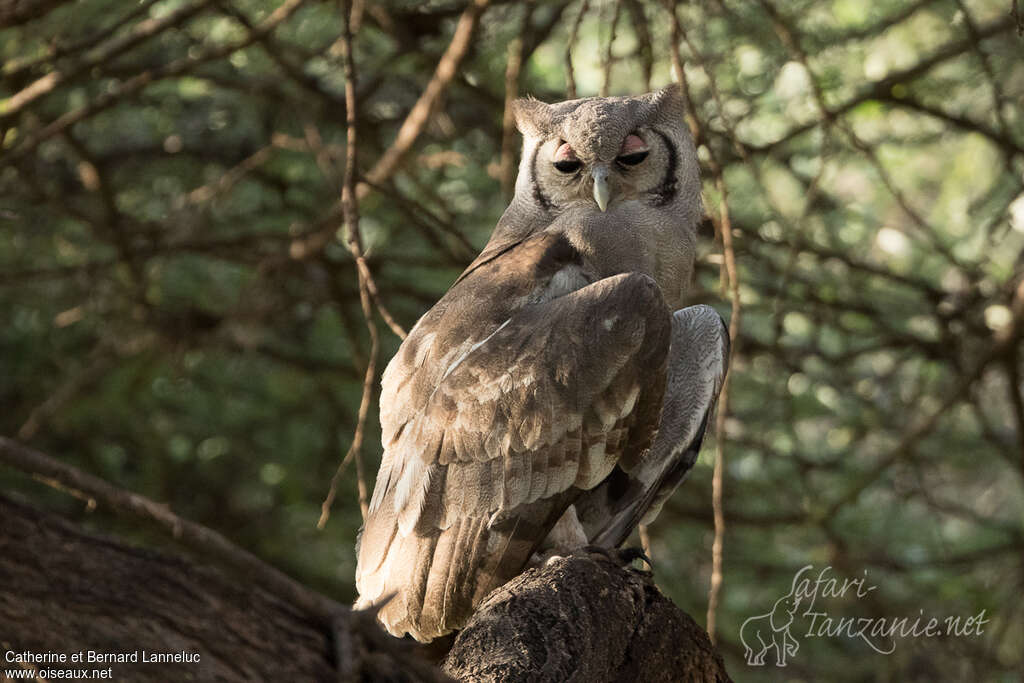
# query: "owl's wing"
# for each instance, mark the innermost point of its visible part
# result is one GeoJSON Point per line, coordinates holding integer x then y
{"type": "Point", "coordinates": [493, 424]}
{"type": "Point", "coordinates": [697, 363]}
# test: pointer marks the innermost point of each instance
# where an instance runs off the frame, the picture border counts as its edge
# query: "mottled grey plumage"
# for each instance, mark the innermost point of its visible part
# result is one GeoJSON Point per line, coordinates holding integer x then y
{"type": "Point", "coordinates": [519, 414]}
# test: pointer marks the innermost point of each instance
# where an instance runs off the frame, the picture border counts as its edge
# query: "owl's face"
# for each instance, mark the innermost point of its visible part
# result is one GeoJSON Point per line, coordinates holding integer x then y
{"type": "Point", "coordinates": [643, 166]}
{"type": "Point", "coordinates": [602, 152]}
{"type": "Point", "coordinates": [619, 177]}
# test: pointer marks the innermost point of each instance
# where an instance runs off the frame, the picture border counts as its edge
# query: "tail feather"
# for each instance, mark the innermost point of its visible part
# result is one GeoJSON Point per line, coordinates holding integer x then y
{"type": "Point", "coordinates": [431, 578]}
{"type": "Point", "coordinates": [438, 579]}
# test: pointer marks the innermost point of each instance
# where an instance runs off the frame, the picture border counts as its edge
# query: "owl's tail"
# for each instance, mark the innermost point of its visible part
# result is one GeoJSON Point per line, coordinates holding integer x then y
{"type": "Point", "coordinates": [429, 585]}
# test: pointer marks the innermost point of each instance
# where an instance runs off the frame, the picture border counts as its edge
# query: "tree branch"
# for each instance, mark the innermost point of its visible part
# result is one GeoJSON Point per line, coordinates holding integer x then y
{"type": "Point", "coordinates": [425, 105]}
{"type": "Point", "coordinates": [192, 535]}
{"type": "Point", "coordinates": [68, 591]}
{"type": "Point", "coordinates": [582, 618]}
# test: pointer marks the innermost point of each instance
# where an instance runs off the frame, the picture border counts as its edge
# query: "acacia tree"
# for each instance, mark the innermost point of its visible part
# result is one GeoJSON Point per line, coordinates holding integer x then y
{"type": "Point", "coordinates": [199, 312]}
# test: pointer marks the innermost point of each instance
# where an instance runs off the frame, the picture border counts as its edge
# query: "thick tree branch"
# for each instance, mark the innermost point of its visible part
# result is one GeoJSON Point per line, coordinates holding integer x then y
{"type": "Point", "coordinates": [68, 591]}
{"type": "Point", "coordinates": [195, 536]}
{"type": "Point", "coordinates": [582, 618]}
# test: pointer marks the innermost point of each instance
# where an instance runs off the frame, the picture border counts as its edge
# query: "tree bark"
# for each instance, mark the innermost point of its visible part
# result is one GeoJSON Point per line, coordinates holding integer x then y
{"type": "Point", "coordinates": [583, 618]}
{"type": "Point", "coordinates": [65, 591]}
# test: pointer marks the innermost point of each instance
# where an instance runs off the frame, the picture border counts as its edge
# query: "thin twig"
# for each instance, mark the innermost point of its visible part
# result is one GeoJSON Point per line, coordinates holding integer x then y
{"type": "Point", "coordinates": [998, 97]}
{"type": "Point", "coordinates": [730, 286]}
{"type": "Point", "coordinates": [14, 68]}
{"type": "Point", "coordinates": [607, 61]}
{"type": "Point", "coordinates": [102, 55]}
{"type": "Point", "coordinates": [371, 285]}
{"type": "Point", "coordinates": [100, 362]}
{"type": "Point", "coordinates": [718, 476]}
{"type": "Point", "coordinates": [570, 72]}
{"type": "Point", "coordinates": [513, 68]}
{"type": "Point", "coordinates": [645, 541]}
{"type": "Point", "coordinates": [643, 38]}
{"type": "Point", "coordinates": [324, 160]}
{"type": "Point", "coordinates": [139, 81]}
{"type": "Point", "coordinates": [414, 122]}
{"type": "Point", "coordinates": [350, 208]}
{"type": "Point", "coordinates": [1015, 389]}
{"type": "Point", "coordinates": [420, 113]}
{"type": "Point", "coordinates": [882, 88]}
{"type": "Point", "coordinates": [1004, 343]}
{"type": "Point", "coordinates": [230, 178]}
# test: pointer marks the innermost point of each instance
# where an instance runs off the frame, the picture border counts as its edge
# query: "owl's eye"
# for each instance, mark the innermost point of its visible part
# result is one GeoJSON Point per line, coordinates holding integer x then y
{"type": "Point", "coordinates": [565, 159]}
{"type": "Point", "coordinates": [634, 150]}
{"type": "Point", "coordinates": [632, 159]}
{"type": "Point", "coordinates": [568, 165]}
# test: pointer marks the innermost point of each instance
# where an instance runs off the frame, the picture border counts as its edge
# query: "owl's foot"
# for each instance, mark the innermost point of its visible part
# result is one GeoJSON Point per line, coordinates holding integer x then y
{"type": "Point", "coordinates": [624, 557]}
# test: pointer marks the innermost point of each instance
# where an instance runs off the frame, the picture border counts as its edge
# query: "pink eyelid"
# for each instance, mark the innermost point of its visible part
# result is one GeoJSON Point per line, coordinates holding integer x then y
{"type": "Point", "coordinates": [565, 153]}
{"type": "Point", "coordinates": [632, 145]}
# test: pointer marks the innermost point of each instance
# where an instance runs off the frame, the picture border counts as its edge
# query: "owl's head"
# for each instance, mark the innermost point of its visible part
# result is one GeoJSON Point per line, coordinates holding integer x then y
{"type": "Point", "coordinates": [601, 151]}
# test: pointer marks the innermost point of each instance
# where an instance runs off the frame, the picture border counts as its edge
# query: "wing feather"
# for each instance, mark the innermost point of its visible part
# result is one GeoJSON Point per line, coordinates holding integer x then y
{"type": "Point", "coordinates": [698, 360]}
{"type": "Point", "coordinates": [486, 448]}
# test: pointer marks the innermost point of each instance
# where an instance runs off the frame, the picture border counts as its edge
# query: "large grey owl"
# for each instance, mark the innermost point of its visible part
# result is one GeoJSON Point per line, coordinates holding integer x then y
{"type": "Point", "coordinates": [550, 399]}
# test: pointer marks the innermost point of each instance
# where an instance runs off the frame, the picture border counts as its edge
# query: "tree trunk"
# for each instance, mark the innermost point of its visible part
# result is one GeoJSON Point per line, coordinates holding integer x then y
{"type": "Point", "coordinates": [67, 592]}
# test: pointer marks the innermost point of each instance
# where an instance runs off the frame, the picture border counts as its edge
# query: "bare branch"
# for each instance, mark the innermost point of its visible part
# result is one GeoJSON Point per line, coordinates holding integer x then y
{"type": "Point", "coordinates": [350, 207]}
{"type": "Point", "coordinates": [139, 32]}
{"type": "Point", "coordinates": [514, 63]}
{"type": "Point", "coordinates": [141, 80]}
{"type": "Point", "coordinates": [188, 533]}
{"type": "Point", "coordinates": [570, 73]}
{"type": "Point", "coordinates": [608, 58]}
{"type": "Point", "coordinates": [420, 113]}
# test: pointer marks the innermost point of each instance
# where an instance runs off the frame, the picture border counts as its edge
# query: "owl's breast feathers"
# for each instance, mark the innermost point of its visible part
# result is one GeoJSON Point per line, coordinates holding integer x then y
{"type": "Point", "coordinates": [526, 385]}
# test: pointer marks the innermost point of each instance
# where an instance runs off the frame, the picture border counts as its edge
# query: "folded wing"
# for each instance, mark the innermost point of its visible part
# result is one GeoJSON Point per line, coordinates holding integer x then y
{"type": "Point", "coordinates": [522, 388]}
{"type": "Point", "coordinates": [634, 492]}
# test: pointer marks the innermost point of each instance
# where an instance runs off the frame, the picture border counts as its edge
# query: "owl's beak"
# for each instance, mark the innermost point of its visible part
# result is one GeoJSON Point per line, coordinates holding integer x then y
{"type": "Point", "coordinates": [601, 193]}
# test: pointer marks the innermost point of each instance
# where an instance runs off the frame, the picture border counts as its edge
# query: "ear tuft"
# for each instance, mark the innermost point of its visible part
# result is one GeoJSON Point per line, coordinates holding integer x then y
{"type": "Point", "coordinates": [533, 117]}
{"type": "Point", "coordinates": [668, 103]}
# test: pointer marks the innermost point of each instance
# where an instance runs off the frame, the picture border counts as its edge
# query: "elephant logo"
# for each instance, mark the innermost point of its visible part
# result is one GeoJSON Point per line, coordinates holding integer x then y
{"type": "Point", "coordinates": [771, 631]}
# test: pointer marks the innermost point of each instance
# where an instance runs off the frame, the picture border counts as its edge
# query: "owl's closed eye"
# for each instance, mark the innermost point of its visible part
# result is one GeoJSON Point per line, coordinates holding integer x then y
{"type": "Point", "coordinates": [603, 152]}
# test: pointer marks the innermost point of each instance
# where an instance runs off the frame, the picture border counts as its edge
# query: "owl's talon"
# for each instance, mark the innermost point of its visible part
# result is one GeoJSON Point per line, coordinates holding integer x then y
{"type": "Point", "coordinates": [623, 557]}
{"type": "Point", "coordinates": [628, 555]}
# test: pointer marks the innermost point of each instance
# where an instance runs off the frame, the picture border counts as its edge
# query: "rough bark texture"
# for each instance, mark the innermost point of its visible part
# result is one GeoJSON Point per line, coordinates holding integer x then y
{"type": "Point", "coordinates": [583, 618]}
{"type": "Point", "coordinates": [65, 591]}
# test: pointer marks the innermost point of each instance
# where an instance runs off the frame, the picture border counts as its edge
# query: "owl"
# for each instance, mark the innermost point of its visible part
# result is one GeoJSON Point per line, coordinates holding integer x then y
{"type": "Point", "coordinates": [554, 397]}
